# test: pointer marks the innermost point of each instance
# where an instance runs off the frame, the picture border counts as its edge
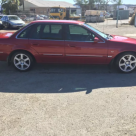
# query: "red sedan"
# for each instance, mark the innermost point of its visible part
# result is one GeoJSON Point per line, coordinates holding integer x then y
{"type": "Point", "coordinates": [66, 42]}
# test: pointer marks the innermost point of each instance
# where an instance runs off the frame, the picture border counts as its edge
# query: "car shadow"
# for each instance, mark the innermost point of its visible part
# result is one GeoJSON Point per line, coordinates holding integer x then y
{"type": "Point", "coordinates": [62, 79]}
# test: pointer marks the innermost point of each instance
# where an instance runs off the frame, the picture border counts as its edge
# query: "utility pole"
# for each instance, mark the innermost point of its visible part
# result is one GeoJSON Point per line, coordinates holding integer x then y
{"type": "Point", "coordinates": [117, 16]}
{"type": "Point", "coordinates": [23, 5]}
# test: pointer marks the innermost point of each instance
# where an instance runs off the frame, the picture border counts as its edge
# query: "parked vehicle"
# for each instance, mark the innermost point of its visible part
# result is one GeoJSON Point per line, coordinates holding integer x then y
{"type": "Point", "coordinates": [107, 15]}
{"type": "Point", "coordinates": [44, 16]}
{"type": "Point", "coordinates": [12, 21]}
{"type": "Point", "coordinates": [95, 16]}
{"type": "Point", "coordinates": [66, 42]}
{"type": "Point", "coordinates": [23, 17]}
{"type": "Point", "coordinates": [34, 17]}
{"type": "Point", "coordinates": [61, 13]}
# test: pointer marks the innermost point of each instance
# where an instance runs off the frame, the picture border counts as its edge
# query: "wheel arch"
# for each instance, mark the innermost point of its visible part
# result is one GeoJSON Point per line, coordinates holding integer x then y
{"type": "Point", "coordinates": [19, 50]}
{"type": "Point", "coordinates": [115, 58]}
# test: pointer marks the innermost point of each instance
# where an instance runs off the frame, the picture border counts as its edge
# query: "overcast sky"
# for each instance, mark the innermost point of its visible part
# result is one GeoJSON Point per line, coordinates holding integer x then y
{"type": "Point", "coordinates": [124, 1]}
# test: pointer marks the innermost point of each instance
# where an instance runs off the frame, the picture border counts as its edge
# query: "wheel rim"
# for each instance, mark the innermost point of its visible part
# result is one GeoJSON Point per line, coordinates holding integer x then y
{"type": "Point", "coordinates": [22, 62]}
{"type": "Point", "coordinates": [127, 63]}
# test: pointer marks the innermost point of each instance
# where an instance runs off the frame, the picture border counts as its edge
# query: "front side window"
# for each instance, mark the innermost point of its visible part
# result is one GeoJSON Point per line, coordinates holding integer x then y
{"type": "Point", "coordinates": [78, 33]}
{"type": "Point", "coordinates": [96, 31]}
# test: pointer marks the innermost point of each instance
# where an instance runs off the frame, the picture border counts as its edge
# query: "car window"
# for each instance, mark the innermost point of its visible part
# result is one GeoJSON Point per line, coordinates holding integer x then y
{"type": "Point", "coordinates": [3, 18]}
{"type": "Point", "coordinates": [25, 33]}
{"type": "Point", "coordinates": [53, 32]}
{"type": "Point", "coordinates": [46, 29]}
{"type": "Point", "coordinates": [75, 29]}
{"type": "Point", "coordinates": [6, 18]}
{"type": "Point", "coordinates": [78, 33]}
{"type": "Point", "coordinates": [14, 18]}
{"type": "Point", "coordinates": [35, 32]}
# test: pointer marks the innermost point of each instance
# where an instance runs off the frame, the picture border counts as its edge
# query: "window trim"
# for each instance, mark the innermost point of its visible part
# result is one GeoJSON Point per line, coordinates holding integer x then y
{"type": "Point", "coordinates": [63, 31]}
{"type": "Point", "coordinates": [86, 29]}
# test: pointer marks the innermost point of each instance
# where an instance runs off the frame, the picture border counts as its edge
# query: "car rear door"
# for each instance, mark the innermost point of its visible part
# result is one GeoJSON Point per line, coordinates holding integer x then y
{"type": "Point", "coordinates": [83, 46]}
{"type": "Point", "coordinates": [48, 41]}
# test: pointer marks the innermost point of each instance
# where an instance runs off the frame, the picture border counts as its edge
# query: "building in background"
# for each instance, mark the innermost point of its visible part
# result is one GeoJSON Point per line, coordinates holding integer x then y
{"type": "Point", "coordinates": [43, 7]}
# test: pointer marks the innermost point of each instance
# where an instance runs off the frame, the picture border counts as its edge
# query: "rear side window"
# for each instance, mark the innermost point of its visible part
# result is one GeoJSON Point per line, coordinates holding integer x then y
{"type": "Point", "coordinates": [25, 33]}
{"type": "Point", "coordinates": [53, 32]}
{"type": "Point", "coordinates": [46, 31]}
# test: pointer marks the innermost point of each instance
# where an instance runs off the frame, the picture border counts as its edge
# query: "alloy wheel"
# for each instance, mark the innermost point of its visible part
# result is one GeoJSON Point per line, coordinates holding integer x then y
{"type": "Point", "coordinates": [22, 62]}
{"type": "Point", "coordinates": [127, 63]}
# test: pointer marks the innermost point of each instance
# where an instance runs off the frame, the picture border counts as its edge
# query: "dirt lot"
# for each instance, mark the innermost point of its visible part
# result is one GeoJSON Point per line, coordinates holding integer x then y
{"type": "Point", "coordinates": [69, 100]}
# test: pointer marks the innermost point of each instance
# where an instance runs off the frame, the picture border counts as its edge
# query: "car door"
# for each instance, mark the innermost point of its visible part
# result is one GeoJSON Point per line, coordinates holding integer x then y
{"type": "Point", "coordinates": [48, 41]}
{"type": "Point", "coordinates": [6, 21]}
{"type": "Point", "coordinates": [83, 46]}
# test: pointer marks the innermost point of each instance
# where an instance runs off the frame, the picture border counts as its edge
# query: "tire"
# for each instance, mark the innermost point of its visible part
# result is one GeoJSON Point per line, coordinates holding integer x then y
{"type": "Point", "coordinates": [126, 62]}
{"type": "Point", "coordinates": [22, 61]}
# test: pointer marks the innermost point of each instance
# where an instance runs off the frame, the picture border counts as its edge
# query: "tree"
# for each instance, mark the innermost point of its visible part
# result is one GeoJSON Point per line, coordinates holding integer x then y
{"type": "Point", "coordinates": [90, 3]}
{"type": "Point", "coordinates": [10, 5]}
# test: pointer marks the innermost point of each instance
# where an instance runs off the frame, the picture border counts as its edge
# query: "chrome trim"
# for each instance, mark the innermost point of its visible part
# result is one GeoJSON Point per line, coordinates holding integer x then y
{"type": "Point", "coordinates": [109, 56]}
{"type": "Point", "coordinates": [84, 55]}
{"type": "Point", "coordinates": [82, 41]}
{"type": "Point", "coordinates": [1, 52]}
{"type": "Point", "coordinates": [45, 39]}
{"type": "Point", "coordinates": [53, 54]}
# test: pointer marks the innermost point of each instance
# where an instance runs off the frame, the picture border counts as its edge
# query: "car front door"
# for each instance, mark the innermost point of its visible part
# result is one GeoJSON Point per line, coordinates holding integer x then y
{"type": "Point", "coordinates": [83, 46]}
{"type": "Point", "coordinates": [48, 41]}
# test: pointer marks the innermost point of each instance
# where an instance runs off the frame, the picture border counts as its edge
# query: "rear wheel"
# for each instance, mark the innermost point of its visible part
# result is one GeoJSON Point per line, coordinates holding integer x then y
{"type": "Point", "coordinates": [22, 61]}
{"type": "Point", "coordinates": [126, 62]}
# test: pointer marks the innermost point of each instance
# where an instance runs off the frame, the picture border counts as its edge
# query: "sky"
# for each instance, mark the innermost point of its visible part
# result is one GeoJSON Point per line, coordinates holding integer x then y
{"type": "Point", "coordinates": [124, 1]}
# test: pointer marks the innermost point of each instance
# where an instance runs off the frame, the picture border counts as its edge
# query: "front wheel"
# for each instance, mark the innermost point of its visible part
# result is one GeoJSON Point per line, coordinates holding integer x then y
{"type": "Point", "coordinates": [22, 61]}
{"type": "Point", "coordinates": [126, 62]}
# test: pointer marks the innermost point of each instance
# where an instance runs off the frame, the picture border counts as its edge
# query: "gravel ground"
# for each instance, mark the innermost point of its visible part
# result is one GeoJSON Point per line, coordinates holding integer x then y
{"type": "Point", "coordinates": [68, 100]}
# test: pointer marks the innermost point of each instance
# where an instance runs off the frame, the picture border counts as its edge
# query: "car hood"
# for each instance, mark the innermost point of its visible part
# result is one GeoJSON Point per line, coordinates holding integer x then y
{"type": "Point", "coordinates": [6, 34]}
{"type": "Point", "coordinates": [17, 21]}
{"type": "Point", "coordinates": [123, 39]}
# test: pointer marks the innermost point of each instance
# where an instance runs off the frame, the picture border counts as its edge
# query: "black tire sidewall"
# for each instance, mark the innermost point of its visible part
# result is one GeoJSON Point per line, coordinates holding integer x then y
{"type": "Point", "coordinates": [118, 60]}
{"type": "Point", "coordinates": [27, 54]}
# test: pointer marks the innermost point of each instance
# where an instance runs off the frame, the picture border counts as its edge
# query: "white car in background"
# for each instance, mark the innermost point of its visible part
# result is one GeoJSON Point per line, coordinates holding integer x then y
{"type": "Point", "coordinates": [33, 17]}
{"type": "Point", "coordinates": [107, 15]}
{"type": "Point", "coordinates": [12, 21]}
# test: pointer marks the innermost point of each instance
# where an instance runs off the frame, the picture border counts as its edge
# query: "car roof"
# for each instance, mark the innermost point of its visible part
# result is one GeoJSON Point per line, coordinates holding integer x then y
{"type": "Point", "coordinates": [59, 21]}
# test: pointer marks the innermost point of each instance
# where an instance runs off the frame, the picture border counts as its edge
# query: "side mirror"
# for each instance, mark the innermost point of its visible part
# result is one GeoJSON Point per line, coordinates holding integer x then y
{"type": "Point", "coordinates": [96, 40]}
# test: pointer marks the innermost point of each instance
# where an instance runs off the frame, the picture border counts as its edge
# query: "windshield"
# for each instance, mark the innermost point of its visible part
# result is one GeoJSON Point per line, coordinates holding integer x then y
{"type": "Point", "coordinates": [13, 18]}
{"type": "Point", "coordinates": [56, 10]}
{"type": "Point", "coordinates": [96, 31]}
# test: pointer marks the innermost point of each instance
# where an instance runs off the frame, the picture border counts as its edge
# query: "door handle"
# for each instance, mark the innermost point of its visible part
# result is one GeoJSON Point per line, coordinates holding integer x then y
{"type": "Point", "coordinates": [35, 44]}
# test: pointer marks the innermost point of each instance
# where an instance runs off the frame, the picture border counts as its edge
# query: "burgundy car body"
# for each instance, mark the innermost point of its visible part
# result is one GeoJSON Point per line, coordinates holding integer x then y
{"type": "Point", "coordinates": [64, 51]}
